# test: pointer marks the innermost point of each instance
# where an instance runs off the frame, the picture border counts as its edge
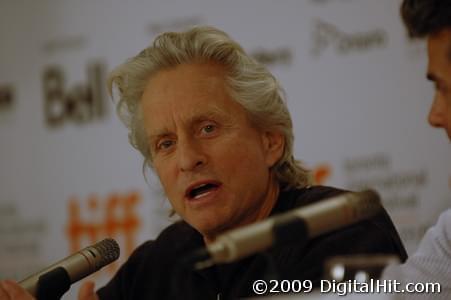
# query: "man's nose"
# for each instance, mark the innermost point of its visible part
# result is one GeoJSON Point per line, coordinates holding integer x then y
{"type": "Point", "coordinates": [190, 155]}
{"type": "Point", "coordinates": [437, 114]}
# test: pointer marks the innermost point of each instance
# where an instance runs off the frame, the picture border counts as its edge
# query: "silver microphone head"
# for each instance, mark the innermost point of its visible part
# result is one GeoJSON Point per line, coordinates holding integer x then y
{"type": "Point", "coordinates": [102, 253]}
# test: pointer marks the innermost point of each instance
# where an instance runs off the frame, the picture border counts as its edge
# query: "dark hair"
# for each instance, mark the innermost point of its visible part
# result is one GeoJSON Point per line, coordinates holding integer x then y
{"type": "Point", "coordinates": [425, 17]}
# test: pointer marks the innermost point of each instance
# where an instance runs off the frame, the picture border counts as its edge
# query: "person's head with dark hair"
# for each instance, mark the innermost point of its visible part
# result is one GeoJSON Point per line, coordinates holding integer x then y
{"type": "Point", "coordinates": [431, 19]}
{"type": "Point", "coordinates": [426, 17]}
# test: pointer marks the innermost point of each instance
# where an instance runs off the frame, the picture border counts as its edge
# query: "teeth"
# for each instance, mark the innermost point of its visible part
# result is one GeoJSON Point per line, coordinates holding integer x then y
{"type": "Point", "coordinates": [201, 190]}
{"type": "Point", "coordinates": [202, 194]}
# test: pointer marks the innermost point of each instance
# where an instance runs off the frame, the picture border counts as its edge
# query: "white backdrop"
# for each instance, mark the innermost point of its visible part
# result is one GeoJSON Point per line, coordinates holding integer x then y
{"type": "Point", "coordinates": [356, 89]}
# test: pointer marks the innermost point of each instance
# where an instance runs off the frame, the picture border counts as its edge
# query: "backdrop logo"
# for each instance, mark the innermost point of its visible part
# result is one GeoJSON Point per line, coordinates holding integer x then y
{"type": "Point", "coordinates": [6, 97]}
{"type": "Point", "coordinates": [115, 217]}
{"type": "Point", "coordinates": [81, 103]}
{"type": "Point", "coordinates": [400, 189]}
{"type": "Point", "coordinates": [327, 35]}
{"type": "Point", "coordinates": [64, 44]}
{"type": "Point", "coordinates": [21, 240]}
{"type": "Point", "coordinates": [321, 173]}
{"type": "Point", "coordinates": [281, 56]}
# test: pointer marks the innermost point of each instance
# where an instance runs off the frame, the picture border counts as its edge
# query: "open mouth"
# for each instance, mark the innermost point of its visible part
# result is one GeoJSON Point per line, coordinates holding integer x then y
{"type": "Point", "coordinates": [202, 189]}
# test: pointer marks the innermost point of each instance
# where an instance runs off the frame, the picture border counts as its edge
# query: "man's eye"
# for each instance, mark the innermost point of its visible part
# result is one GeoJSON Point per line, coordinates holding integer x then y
{"type": "Point", "coordinates": [165, 144]}
{"type": "Point", "coordinates": [208, 128]}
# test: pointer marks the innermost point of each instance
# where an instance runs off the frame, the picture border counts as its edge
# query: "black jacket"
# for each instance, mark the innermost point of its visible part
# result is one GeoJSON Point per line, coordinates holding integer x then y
{"type": "Point", "coordinates": [153, 271]}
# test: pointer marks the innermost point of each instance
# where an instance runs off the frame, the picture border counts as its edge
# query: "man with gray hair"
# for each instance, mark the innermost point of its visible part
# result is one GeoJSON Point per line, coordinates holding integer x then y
{"type": "Point", "coordinates": [213, 125]}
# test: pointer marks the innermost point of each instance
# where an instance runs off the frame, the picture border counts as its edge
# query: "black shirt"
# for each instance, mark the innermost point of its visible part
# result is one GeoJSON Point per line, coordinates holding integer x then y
{"type": "Point", "coordinates": [153, 271]}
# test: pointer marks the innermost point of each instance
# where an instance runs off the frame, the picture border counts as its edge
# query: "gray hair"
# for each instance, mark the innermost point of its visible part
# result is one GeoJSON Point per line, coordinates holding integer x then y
{"type": "Point", "coordinates": [249, 83]}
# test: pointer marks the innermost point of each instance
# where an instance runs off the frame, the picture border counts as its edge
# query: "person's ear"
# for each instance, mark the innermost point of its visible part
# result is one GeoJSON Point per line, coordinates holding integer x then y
{"type": "Point", "coordinates": [274, 144]}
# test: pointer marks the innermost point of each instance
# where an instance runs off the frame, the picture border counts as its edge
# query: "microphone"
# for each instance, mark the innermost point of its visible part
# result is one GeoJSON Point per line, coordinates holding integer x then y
{"type": "Point", "coordinates": [293, 226]}
{"type": "Point", "coordinates": [63, 273]}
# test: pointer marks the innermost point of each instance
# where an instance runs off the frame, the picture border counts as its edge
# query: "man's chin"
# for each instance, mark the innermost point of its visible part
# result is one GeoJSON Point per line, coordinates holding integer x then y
{"type": "Point", "coordinates": [208, 230]}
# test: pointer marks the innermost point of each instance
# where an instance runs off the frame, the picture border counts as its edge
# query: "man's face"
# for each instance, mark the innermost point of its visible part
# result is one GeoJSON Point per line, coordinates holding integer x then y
{"type": "Point", "coordinates": [213, 164]}
{"type": "Point", "coordinates": [439, 71]}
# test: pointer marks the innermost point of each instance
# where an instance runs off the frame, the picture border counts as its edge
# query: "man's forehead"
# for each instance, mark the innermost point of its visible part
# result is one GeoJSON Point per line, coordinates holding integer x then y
{"type": "Point", "coordinates": [440, 41]}
{"type": "Point", "coordinates": [207, 76]}
{"type": "Point", "coordinates": [439, 55]}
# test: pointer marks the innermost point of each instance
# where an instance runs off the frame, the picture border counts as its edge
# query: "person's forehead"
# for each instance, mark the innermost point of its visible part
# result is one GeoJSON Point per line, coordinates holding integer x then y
{"type": "Point", "coordinates": [196, 73]}
{"type": "Point", "coordinates": [439, 55]}
{"type": "Point", "coordinates": [187, 94]}
{"type": "Point", "coordinates": [191, 105]}
{"type": "Point", "coordinates": [185, 85]}
{"type": "Point", "coordinates": [440, 41]}
{"type": "Point", "coordinates": [164, 120]}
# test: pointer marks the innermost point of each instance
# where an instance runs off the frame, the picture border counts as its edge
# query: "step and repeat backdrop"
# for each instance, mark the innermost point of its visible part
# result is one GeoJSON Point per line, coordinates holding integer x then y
{"type": "Point", "coordinates": [355, 87]}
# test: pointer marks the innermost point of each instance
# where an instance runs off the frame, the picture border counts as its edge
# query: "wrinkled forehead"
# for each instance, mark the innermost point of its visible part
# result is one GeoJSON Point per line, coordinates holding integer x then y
{"type": "Point", "coordinates": [185, 83]}
{"type": "Point", "coordinates": [188, 94]}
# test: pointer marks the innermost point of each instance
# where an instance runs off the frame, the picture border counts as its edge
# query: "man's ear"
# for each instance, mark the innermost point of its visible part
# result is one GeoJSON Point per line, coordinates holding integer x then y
{"type": "Point", "coordinates": [274, 143]}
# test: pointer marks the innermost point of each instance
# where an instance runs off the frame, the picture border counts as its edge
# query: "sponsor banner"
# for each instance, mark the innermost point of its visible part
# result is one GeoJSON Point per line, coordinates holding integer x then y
{"type": "Point", "coordinates": [354, 83]}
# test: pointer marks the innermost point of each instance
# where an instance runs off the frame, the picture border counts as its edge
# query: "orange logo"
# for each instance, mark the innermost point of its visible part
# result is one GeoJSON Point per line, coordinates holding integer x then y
{"type": "Point", "coordinates": [113, 217]}
{"type": "Point", "coordinates": [321, 174]}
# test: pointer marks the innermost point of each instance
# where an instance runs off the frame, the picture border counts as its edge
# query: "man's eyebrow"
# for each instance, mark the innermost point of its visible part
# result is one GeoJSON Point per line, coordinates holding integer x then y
{"type": "Point", "coordinates": [212, 113]}
{"type": "Point", "coordinates": [154, 137]}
